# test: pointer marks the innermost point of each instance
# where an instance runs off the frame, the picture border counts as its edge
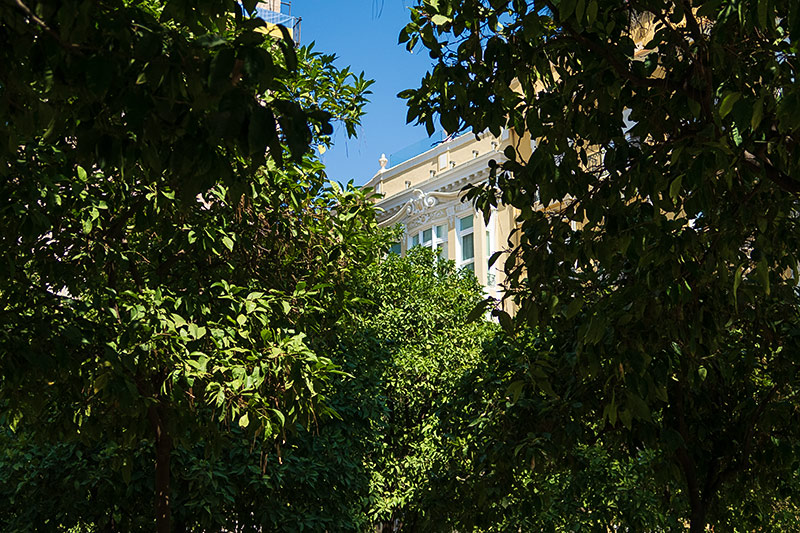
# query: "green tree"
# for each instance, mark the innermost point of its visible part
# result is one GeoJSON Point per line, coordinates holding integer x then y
{"type": "Point", "coordinates": [171, 245]}
{"type": "Point", "coordinates": [519, 455]}
{"type": "Point", "coordinates": [666, 140]}
{"type": "Point", "coordinates": [312, 481]}
{"type": "Point", "coordinates": [414, 341]}
{"type": "Point", "coordinates": [403, 349]}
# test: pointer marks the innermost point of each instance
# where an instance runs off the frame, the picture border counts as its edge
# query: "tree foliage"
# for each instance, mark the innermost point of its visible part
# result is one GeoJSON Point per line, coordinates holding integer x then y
{"type": "Point", "coordinates": [174, 253]}
{"type": "Point", "coordinates": [526, 448]}
{"type": "Point", "coordinates": [311, 482]}
{"type": "Point", "coordinates": [403, 347]}
{"type": "Point", "coordinates": [665, 138]}
{"type": "Point", "coordinates": [415, 345]}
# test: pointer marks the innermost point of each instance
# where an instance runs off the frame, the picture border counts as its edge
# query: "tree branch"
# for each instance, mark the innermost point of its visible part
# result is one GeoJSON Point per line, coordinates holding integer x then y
{"type": "Point", "coordinates": [42, 24]}
{"type": "Point", "coordinates": [619, 67]}
{"type": "Point", "coordinates": [760, 161]}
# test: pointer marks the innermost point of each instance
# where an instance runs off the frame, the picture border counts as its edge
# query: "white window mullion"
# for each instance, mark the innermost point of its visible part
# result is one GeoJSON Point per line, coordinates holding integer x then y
{"type": "Point", "coordinates": [466, 242]}
{"type": "Point", "coordinates": [439, 244]}
{"type": "Point", "coordinates": [434, 238]}
{"type": "Point", "coordinates": [491, 271]}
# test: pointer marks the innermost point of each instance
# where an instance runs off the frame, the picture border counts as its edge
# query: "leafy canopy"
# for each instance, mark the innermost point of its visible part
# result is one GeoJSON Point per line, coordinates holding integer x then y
{"type": "Point", "coordinates": [175, 255]}
{"type": "Point", "coordinates": [402, 352]}
{"type": "Point", "coordinates": [654, 172]}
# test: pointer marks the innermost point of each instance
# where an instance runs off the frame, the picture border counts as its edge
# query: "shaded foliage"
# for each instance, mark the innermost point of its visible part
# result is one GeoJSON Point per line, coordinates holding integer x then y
{"type": "Point", "coordinates": [661, 136]}
{"type": "Point", "coordinates": [172, 243]}
{"type": "Point", "coordinates": [402, 348]}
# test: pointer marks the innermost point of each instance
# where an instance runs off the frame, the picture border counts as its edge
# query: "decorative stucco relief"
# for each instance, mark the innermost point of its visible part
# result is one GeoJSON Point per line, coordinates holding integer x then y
{"type": "Point", "coordinates": [425, 218]}
{"type": "Point", "coordinates": [417, 210]}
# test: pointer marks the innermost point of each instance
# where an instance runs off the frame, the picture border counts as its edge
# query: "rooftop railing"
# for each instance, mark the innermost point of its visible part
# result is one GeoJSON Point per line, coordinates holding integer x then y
{"type": "Point", "coordinates": [413, 150]}
{"type": "Point", "coordinates": [264, 12]}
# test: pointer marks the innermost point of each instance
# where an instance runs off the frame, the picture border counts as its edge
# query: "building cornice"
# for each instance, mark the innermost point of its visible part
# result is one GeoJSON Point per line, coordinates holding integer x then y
{"type": "Point", "coordinates": [387, 174]}
{"type": "Point", "coordinates": [447, 185]}
{"type": "Point", "coordinates": [422, 202]}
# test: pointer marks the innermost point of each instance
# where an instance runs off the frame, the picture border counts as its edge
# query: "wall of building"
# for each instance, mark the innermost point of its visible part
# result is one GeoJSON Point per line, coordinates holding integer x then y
{"type": "Point", "coordinates": [424, 194]}
{"type": "Point", "coordinates": [440, 159]}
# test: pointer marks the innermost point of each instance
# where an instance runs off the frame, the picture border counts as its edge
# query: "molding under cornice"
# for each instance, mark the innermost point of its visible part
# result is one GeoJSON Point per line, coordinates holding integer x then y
{"type": "Point", "coordinates": [446, 186]}
{"type": "Point", "coordinates": [423, 202]}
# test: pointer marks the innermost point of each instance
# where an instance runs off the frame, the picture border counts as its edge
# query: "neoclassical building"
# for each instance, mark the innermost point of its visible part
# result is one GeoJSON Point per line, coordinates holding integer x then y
{"type": "Point", "coordinates": [422, 192]}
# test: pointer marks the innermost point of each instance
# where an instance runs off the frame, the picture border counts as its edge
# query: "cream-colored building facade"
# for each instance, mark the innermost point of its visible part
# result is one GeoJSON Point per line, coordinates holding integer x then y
{"type": "Point", "coordinates": [424, 194]}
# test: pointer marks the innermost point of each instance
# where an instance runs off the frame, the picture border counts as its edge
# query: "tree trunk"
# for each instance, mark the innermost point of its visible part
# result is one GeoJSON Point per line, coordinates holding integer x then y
{"type": "Point", "coordinates": [697, 520]}
{"type": "Point", "coordinates": [163, 453]}
{"type": "Point", "coordinates": [697, 501]}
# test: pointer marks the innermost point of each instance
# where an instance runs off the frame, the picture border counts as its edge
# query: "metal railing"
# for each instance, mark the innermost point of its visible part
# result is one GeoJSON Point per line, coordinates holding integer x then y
{"type": "Point", "coordinates": [284, 19]}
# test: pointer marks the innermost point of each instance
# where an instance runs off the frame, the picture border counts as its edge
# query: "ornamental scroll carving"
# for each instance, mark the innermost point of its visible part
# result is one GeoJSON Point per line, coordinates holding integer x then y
{"type": "Point", "coordinates": [422, 202]}
{"type": "Point", "coordinates": [420, 206]}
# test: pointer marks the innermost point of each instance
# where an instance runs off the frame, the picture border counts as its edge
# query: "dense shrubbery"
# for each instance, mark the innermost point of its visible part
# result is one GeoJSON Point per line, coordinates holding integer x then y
{"type": "Point", "coordinates": [183, 288]}
{"type": "Point", "coordinates": [402, 350]}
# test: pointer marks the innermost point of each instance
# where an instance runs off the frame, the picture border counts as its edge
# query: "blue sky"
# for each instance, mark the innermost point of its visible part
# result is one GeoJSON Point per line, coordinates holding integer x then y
{"type": "Point", "coordinates": [363, 34]}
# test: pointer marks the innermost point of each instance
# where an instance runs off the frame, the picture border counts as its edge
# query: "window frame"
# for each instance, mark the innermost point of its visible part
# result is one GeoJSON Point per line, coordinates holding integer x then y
{"type": "Point", "coordinates": [491, 271]}
{"type": "Point", "coordinates": [418, 238]}
{"type": "Point", "coordinates": [460, 235]}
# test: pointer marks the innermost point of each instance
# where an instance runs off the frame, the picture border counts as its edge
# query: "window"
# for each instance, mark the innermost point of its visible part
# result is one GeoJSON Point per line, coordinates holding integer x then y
{"type": "Point", "coordinates": [491, 245]}
{"type": "Point", "coordinates": [466, 243]}
{"type": "Point", "coordinates": [427, 236]}
{"type": "Point", "coordinates": [434, 237]}
{"type": "Point", "coordinates": [440, 240]}
{"type": "Point", "coordinates": [395, 249]}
